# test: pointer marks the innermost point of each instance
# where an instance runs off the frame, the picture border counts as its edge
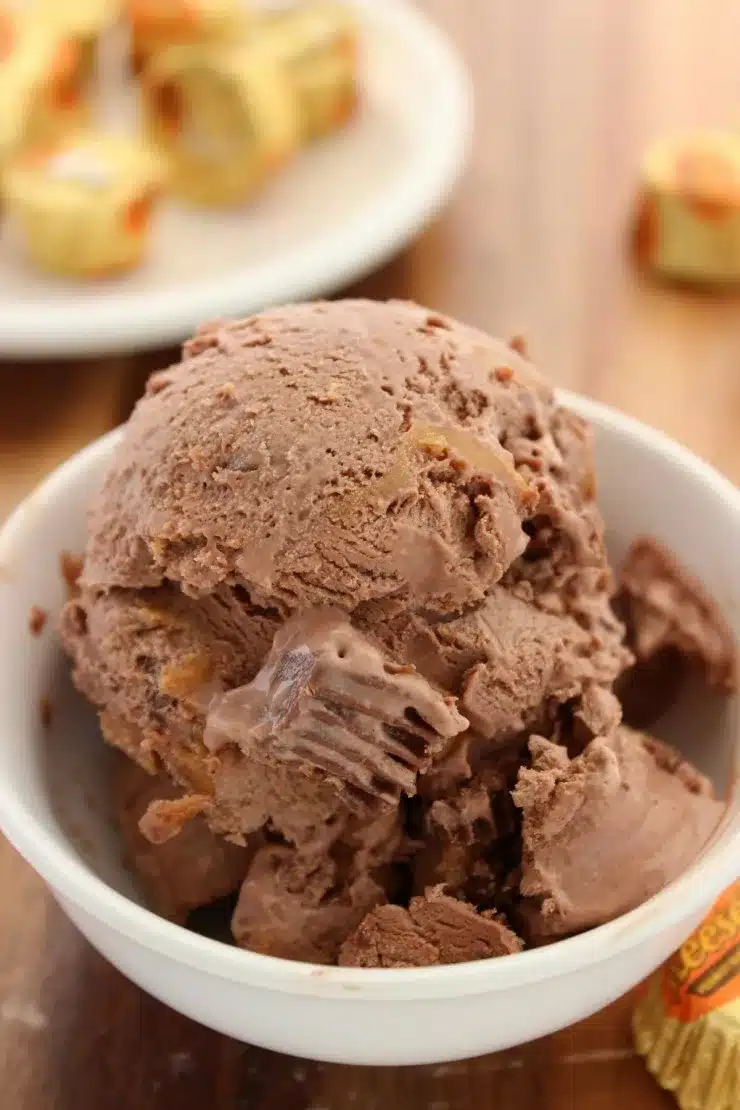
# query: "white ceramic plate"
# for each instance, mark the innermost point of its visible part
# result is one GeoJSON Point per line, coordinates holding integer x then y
{"type": "Point", "coordinates": [344, 206]}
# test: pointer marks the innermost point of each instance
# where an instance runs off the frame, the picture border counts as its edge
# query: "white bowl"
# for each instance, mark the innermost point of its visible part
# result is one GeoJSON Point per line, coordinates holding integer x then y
{"type": "Point", "coordinates": [52, 808]}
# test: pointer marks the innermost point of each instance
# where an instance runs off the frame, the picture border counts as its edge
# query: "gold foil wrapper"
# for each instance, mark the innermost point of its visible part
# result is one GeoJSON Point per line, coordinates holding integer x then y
{"type": "Point", "coordinates": [317, 44]}
{"type": "Point", "coordinates": [157, 24]}
{"type": "Point", "coordinates": [687, 1024]}
{"type": "Point", "coordinates": [83, 20]}
{"type": "Point", "coordinates": [687, 220]}
{"type": "Point", "coordinates": [225, 118]}
{"type": "Point", "coordinates": [42, 82]}
{"type": "Point", "coordinates": [85, 206]}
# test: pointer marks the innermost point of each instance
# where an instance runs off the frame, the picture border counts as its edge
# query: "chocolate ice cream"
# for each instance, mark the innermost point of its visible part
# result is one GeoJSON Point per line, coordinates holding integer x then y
{"type": "Point", "coordinates": [346, 560]}
{"type": "Point", "coordinates": [301, 902]}
{"type": "Point", "coordinates": [672, 626]}
{"type": "Point", "coordinates": [605, 831]}
{"type": "Point", "coordinates": [190, 870]}
{"type": "Point", "coordinates": [327, 698]}
{"type": "Point", "coordinates": [325, 454]}
{"type": "Point", "coordinates": [435, 929]}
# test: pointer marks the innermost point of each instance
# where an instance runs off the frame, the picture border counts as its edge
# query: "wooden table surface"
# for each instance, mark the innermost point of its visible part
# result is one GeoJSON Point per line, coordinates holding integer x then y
{"type": "Point", "coordinates": [568, 93]}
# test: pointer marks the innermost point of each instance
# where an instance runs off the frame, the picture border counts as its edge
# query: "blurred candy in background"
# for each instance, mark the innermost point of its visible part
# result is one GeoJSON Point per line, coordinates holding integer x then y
{"type": "Point", "coordinates": [687, 225]}
{"type": "Point", "coordinates": [206, 157]}
{"type": "Point", "coordinates": [229, 95]}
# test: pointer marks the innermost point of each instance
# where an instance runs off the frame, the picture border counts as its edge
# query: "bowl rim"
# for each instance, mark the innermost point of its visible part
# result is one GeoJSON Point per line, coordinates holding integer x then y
{"type": "Point", "coordinates": [56, 860]}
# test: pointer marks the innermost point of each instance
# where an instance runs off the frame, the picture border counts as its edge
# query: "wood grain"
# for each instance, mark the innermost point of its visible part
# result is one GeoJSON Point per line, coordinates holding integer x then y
{"type": "Point", "coordinates": [568, 93]}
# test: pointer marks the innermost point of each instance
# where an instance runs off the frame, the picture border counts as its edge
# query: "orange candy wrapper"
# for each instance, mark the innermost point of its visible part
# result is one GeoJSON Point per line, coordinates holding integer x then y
{"type": "Point", "coordinates": [687, 1024]}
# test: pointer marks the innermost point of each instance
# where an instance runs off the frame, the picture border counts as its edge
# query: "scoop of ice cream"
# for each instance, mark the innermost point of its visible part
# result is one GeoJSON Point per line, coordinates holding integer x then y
{"type": "Point", "coordinates": [543, 637]}
{"type": "Point", "coordinates": [189, 870]}
{"type": "Point", "coordinates": [605, 831]}
{"type": "Point", "coordinates": [672, 624]}
{"type": "Point", "coordinates": [435, 929]}
{"type": "Point", "coordinates": [326, 454]}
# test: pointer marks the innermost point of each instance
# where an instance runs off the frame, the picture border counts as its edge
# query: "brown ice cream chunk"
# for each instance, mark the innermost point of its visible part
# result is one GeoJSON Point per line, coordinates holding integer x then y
{"type": "Point", "coordinates": [435, 929]}
{"type": "Point", "coordinates": [327, 698]}
{"type": "Point", "coordinates": [191, 870]}
{"type": "Point", "coordinates": [605, 831]}
{"type": "Point", "coordinates": [287, 906]}
{"type": "Point", "coordinates": [533, 663]}
{"type": "Point", "coordinates": [564, 571]}
{"type": "Point", "coordinates": [297, 802]}
{"type": "Point", "coordinates": [302, 904]}
{"type": "Point", "coordinates": [458, 843]}
{"type": "Point", "coordinates": [466, 828]}
{"type": "Point", "coordinates": [514, 664]}
{"type": "Point", "coordinates": [672, 624]}
{"type": "Point", "coordinates": [597, 713]}
{"type": "Point", "coordinates": [545, 636]}
{"type": "Point", "coordinates": [566, 533]}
